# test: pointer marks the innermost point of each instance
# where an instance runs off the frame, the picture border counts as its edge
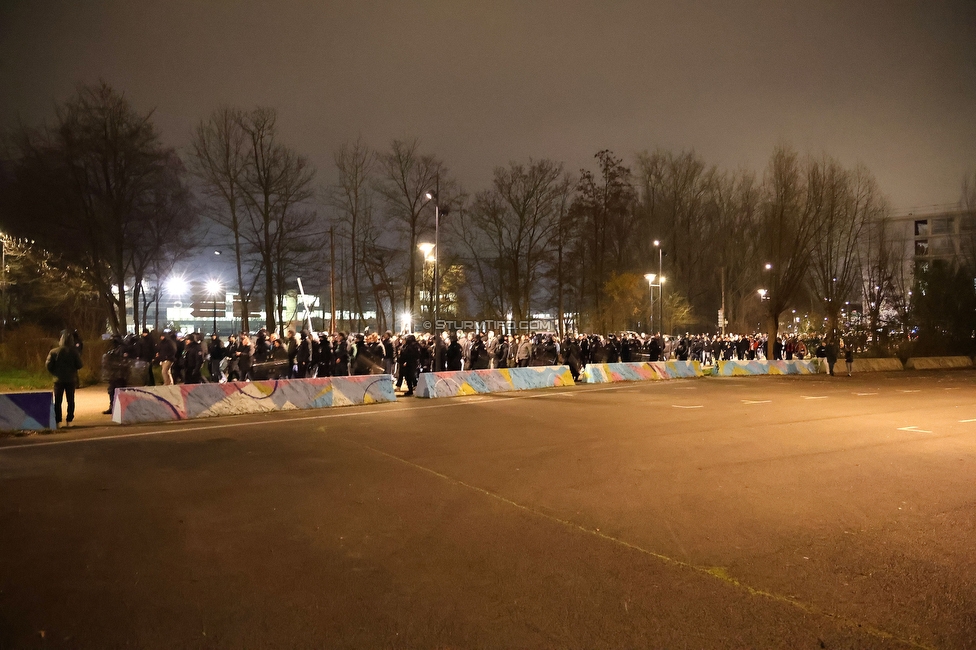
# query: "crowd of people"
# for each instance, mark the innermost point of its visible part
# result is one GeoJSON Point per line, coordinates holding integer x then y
{"type": "Point", "coordinates": [195, 358]}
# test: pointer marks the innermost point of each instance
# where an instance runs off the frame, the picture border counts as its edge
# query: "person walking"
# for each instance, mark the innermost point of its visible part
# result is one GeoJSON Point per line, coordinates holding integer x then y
{"type": "Point", "coordinates": [849, 358]}
{"type": "Point", "coordinates": [831, 353]}
{"type": "Point", "coordinates": [409, 361]}
{"type": "Point", "coordinates": [64, 362]}
{"type": "Point", "coordinates": [166, 353]}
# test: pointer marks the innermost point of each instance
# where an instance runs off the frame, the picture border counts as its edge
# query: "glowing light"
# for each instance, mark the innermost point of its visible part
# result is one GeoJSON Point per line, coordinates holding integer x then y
{"type": "Point", "coordinates": [213, 287]}
{"type": "Point", "coordinates": [650, 277]}
{"type": "Point", "coordinates": [177, 286]}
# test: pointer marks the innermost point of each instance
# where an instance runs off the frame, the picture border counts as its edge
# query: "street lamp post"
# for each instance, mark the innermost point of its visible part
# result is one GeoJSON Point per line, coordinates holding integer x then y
{"type": "Point", "coordinates": [435, 197]}
{"type": "Point", "coordinates": [650, 293]}
{"type": "Point", "coordinates": [213, 288]}
{"type": "Point", "coordinates": [430, 255]}
{"type": "Point", "coordinates": [660, 275]}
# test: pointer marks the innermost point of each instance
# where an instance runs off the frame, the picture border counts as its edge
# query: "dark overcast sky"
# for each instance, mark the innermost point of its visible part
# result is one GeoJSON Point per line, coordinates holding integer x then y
{"type": "Point", "coordinates": [886, 83]}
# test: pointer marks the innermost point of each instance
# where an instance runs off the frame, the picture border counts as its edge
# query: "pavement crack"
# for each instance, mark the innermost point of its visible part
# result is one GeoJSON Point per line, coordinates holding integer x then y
{"type": "Point", "coordinates": [717, 573]}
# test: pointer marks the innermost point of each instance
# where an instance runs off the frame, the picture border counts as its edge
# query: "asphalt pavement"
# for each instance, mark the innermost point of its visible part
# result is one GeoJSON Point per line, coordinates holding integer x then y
{"type": "Point", "coordinates": [754, 512]}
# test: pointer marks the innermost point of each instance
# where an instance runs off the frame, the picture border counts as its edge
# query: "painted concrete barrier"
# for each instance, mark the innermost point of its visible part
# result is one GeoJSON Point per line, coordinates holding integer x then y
{"type": "Point", "coordinates": [605, 373]}
{"type": "Point", "coordinates": [937, 363]}
{"type": "Point", "coordinates": [32, 411]}
{"type": "Point", "coordinates": [456, 383]}
{"type": "Point", "coordinates": [188, 401]}
{"type": "Point", "coordinates": [736, 368]}
{"type": "Point", "coordinates": [865, 365]}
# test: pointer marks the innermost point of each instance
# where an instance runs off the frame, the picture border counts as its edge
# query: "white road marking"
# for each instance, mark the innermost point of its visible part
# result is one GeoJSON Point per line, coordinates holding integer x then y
{"type": "Point", "coordinates": [863, 394]}
{"type": "Point", "coordinates": [913, 429]}
{"type": "Point", "coordinates": [970, 420]}
{"type": "Point", "coordinates": [756, 401]}
{"type": "Point", "coordinates": [900, 390]}
{"type": "Point", "coordinates": [680, 406]}
{"type": "Point", "coordinates": [814, 396]}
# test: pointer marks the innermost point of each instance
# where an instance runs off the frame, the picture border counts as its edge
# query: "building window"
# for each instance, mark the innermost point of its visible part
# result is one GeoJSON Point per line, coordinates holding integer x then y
{"type": "Point", "coordinates": [941, 226]}
{"type": "Point", "coordinates": [921, 248]}
{"type": "Point", "coordinates": [922, 228]}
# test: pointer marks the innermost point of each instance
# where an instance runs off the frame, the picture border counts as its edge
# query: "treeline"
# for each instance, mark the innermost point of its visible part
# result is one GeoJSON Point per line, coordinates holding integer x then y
{"type": "Point", "coordinates": [99, 190]}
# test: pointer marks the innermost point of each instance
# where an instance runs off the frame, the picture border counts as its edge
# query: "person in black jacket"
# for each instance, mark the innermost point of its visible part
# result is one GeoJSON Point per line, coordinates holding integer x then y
{"type": "Point", "coordinates": [115, 369]}
{"type": "Point", "coordinates": [410, 362]}
{"type": "Point", "coordinates": [166, 356]}
{"type": "Point", "coordinates": [501, 352]}
{"type": "Point", "coordinates": [146, 352]}
{"type": "Point", "coordinates": [192, 360]}
{"type": "Point", "coordinates": [64, 362]}
{"type": "Point", "coordinates": [454, 354]}
{"type": "Point", "coordinates": [479, 354]}
{"type": "Point", "coordinates": [340, 367]}
{"type": "Point", "coordinates": [831, 354]}
{"type": "Point", "coordinates": [215, 351]}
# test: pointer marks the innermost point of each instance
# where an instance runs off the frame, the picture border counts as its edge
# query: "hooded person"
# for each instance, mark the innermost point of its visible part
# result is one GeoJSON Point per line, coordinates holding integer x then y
{"type": "Point", "coordinates": [115, 369]}
{"type": "Point", "coordinates": [64, 362]}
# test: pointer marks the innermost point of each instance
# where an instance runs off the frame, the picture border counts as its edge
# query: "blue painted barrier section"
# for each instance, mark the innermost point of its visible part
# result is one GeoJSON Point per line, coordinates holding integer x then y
{"type": "Point", "coordinates": [472, 382]}
{"type": "Point", "coordinates": [32, 411]}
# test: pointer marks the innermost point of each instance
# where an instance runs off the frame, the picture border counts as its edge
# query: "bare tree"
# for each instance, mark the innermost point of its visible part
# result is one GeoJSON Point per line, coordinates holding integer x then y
{"type": "Point", "coordinates": [519, 218]}
{"type": "Point", "coordinates": [604, 204]}
{"type": "Point", "coordinates": [351, 197]}
{"type": "Point", "coordinates": [84, 188]}
{"type": "Point", "coordinates": [219, 152]}
{"type": "Point", "coordinates": [164, 240]}
{"type": "Point", "coordinates": [677, 207]}
{"type": "Point", "coordinates": [847, 202]}
{"type": "Point", "coordinates": [407, 175]}
{"type": "Point", "coordinates": [275, 185]}
{"type": "Point", "coordinates": [790, 223]}
{"type": "Point", "coordinates": [881, 257]}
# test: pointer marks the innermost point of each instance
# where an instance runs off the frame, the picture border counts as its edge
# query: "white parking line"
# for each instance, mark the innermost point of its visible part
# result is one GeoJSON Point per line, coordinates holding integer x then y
{"type": "Point", "coordinates": [900, 390]}
{"type": "Point", "coordinates": [814, 396]}
{"type": "Point", "coordinates": [965, 421]}
{"type": "Point", "coordinates": [913, 429]}
{"type": "Point", "coordinates": [863, 394]}
{"type": "Point", "coordinates": [681, 406]}
{"type": "Point", "coordinates": [756, 401]}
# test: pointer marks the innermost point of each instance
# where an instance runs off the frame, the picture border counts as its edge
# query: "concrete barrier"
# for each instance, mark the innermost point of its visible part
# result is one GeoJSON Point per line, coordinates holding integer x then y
{"type": "Point", "coordinates": [866, 365]}
{"type": "Point", "coordinates": [606, 373]}
{"type": "Point", "coordinates": [456, 383]}
{"type": "Point", "coordinates": [736, 368]}
{"type": "Point", "coordinates": [32, 411]}
{"type": "Point", "coordinates": [188, 401]}
{"type": "Point", "coordinates": [937, 363]}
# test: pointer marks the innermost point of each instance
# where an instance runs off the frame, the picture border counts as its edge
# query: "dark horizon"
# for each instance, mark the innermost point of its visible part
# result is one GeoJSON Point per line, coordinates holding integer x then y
{"type": "Point", "coordinates": [892, 87]}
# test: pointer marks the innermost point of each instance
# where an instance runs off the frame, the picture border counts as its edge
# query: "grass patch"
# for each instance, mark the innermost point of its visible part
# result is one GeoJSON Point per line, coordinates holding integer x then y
{"type": "Point", "coordinates": [13, 380]}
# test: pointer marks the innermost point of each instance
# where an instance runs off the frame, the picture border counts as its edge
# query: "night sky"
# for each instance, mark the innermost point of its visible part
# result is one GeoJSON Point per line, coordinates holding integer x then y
{"type": "Point", "coordinates": [891, 85]}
